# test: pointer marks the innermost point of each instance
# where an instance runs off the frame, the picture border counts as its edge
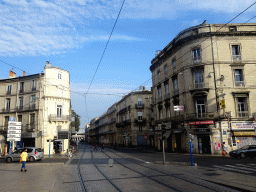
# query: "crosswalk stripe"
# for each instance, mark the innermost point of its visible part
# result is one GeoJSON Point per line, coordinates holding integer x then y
{"type": "Point", "coordinates": [227, 168]}
{"type": "Point", "coordinates": [252, 164]}
{"type": "Point", "coordinates": [254, 168]}
{"type": "Point", "coordinates": [238, 167]}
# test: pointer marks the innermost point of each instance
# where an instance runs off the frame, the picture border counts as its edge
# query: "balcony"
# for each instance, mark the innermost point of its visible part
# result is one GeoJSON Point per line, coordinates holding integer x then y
{"type": "Point", "coordinates": [159, 99]}
{"type": "Point", "coordinates": [205, 116]}
{"type": "Point", "coordinates": [3, 128]}
{"type": "Point", "coordinates": [143, 121]}
{"type": "Point", "coordinates": [33, 88]}
{"type": "Point", "coordinates": [236, 57]}
{"type": "Point", "coordinates": [200, 85]}
{"type": "Point", "coordinates": [6, 110]}
{"type": "Point", "coordinates": [175, 92]}
{"type": "Point", "coordinates": [113, 120]}
{"type": "Point", "coordinates": [139, 106]}
{"type": "Point", "coordinates": [30, 128]}
{"type": "Point", "coordinates": [57, 118]}
{"type": "Point", "coordinates": [167, 96]}
{"type": "Point", "coordinates": [122, 111]}
{"type": "Point", "coordinates": [242, 114]}
{"type": "Point", "coordinates": [123, 123]}
{"type": "Point", "coordinates": [21, 91]}
{"type": "Point", "coordinates": [239, 83]}
{"type": "Point", "coordinates": [197, 59]}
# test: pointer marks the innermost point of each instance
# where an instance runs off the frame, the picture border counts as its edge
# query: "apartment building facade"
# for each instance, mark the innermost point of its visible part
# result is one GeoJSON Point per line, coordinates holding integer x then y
{"type": "Point", "coordinates": [41, 102]}
{"type": "Point", "coordinates": [204, 88]}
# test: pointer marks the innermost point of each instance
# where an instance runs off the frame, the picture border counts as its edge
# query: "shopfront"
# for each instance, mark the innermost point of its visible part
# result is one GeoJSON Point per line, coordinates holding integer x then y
{"type": "Point", "coordinates": [243, 134]}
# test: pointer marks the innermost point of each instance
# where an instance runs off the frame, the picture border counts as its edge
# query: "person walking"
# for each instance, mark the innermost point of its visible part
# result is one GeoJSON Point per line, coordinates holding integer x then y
{"type": "Point", "coordinates": [102, 147]}
{"type": "Point", "coordinates": [23, 158]}
{"type": "Point", "coordinates": [224, 150]}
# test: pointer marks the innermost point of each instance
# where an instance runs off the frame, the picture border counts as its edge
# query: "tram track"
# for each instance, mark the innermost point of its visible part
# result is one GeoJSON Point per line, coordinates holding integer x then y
{"type": "Point", "coordinates": [201, 184]}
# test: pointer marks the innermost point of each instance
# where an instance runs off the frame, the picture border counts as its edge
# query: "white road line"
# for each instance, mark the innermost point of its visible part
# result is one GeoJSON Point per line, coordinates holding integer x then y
{"type": "Point", "coordinates": [252, 164]}
{"type": "Point", "coordinates": [243, 168]}
{"type": "Point", "coordinates": [254, 168]}
{"type": "Point", "coordinates": [220, 167]}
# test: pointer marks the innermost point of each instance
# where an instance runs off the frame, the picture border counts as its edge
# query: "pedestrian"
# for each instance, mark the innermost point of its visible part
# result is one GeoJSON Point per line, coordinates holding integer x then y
{"type": "Point", "coordinates": [95, 146]}
{"type": "Point", "coordinates": [224, 150]}
{"type": "Point", "coordinates": [23, 158]}
{"type": "Point", "coordinates": [102, 146]}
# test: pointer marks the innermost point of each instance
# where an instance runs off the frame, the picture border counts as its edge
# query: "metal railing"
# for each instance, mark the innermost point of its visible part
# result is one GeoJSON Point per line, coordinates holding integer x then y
{"type": "Point", "coordinates": [33, 88]}
{"type": "Point", "coordinates": [167, 96]}
{"type": "Point", "coordinates": [8, 93]}
{"type": "Point", "coordinates": [197, 59]}
{"type": "Point", "coordinates": [159, 99]}
{"type": "Point", "coordinates": [209, 115]}
{"type": "Point", "coordinates": [239, 83]}
{"type": "Point", "coordinates": [200, 85]}
{"type": "Point", "coordinates": [143, 121]}
{"type": "Point", "coordinates": [30, 127]}
{"type": "Point", "coordinates": [139, 106]}
{"type": "Point", "coordinates": [21, 91]}
{"type": "Point", "coordinates": [54, 117]}
{"type": "Point", "coordinates": [242, 114]}
{"type": "Point", "coordinates": [236, 57]}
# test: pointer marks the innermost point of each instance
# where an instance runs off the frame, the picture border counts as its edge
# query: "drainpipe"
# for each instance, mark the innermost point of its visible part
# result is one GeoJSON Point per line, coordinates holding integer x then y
{"type": "Point", "coordinates": [215, 87]}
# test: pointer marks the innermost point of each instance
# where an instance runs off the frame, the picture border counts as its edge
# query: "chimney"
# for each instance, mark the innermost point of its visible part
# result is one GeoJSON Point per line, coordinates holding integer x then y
{"type": "Point", "coordinates": [24, 73]}
{"type": "Point", "coordinates": [48, 64]}
{"type": "Point", "coordinates": [12, 75]}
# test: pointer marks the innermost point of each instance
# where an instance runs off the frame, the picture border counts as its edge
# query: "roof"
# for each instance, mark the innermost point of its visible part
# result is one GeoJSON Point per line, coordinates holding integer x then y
{"type": "Point", "coordinates": [23, 77]}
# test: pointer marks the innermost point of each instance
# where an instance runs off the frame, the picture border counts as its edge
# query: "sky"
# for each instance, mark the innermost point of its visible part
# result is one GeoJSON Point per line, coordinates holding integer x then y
{"type": "Point", "coordinates": [72, 34]}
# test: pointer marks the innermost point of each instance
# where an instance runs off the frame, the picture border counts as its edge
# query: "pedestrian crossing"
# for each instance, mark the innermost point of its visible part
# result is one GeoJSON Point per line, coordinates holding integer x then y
{"type": "Point", "coordinates": [238, 168]}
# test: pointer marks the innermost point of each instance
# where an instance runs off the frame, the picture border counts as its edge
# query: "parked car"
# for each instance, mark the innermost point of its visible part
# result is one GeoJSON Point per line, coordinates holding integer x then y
{"type": "Point", "coordinates": [34, 154]}
{"type": "Point", "coordinates": [245, 151]}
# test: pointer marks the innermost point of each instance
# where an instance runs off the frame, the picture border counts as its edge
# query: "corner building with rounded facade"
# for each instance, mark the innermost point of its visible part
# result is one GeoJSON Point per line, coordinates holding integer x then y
{"type": "Point", "coordinates": [203, 86]}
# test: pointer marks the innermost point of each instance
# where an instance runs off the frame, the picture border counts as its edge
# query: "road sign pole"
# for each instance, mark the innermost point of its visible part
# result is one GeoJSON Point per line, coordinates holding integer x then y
{"type": "Point", "coordinates": [49, 148]}
{"type": "Point", "coordinates": [191, 155]}
{"type": "Point", "coordinates": [10, 147]}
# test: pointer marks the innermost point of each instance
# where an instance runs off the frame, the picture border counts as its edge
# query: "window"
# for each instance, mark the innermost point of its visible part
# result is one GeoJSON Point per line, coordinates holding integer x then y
{"type": "Point", "coordinates": [21, 87]}
{"type": "Point", "coordinates": [232, 28]}
{"type": "Point", "coordinates": [160, 113]}
{"type": "Point", "coordinates": [8, 103]}
{"type": "Point", "coordinates": [33, 85]}
{"type": "Point", "coordinates": [236, 54]}
{"type": "Point", "coordinates": [33, 101]}
{"type": "Point", "coordinates": [200, 108]}
{"type": "Point", "coordinates": [21, 102]}
{"type": "Point", "coordinates": [239, 80]}
{"type": "Point", "coordinates": [19, 118]}
{"type": "Point", "coordinates": [175, 84]}
{"type": "Point", "coordinates": [159, 92]}
{"type": "Point", "coordinates": [166, 71]}
{"type": "Point", "coordinates": [196, 55]}
{"type": "Point", "coordinates": [167, 112]}
{"type": "Point", "coordinates": [198, 79]}
{"type": "Point", "coordinates": [139, 102]}
{"type": "Point", "coordinates": [9, 89]}
{"type": "Point", "coordinates": [158, 76]}
{"type": "Point", "coordinates": [59, 110]}
{"type": "Point", "coordinates": [6, 119]}
{"type": "Point", "coordinates": [59, 75]}
{"type": "Point", "coordinates": [166, 88]}
{"type": "Point", "coordinates": [174, 65]}
{"type": "Point", "coordinates": [140, 116]}
{"type": "Point", "coordinates": [32, 119]}
{"type": "Point", "coordinates": [241, 107]}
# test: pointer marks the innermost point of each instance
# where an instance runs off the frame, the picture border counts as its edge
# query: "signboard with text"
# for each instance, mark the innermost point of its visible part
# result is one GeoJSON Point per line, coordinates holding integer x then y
{"type": "Point", "coordinates": [243, 126]}
{"type": "Point", "coordinates": [14, 131]}
{"type": "Point", "coordinates": [179, 108]}
{"type": "Point", "coordinates": [201, 122]}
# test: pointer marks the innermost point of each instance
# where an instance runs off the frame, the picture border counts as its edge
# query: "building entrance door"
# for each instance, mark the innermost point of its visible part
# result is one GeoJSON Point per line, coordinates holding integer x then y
{"type": "Point", "coordinates": [204, 144]}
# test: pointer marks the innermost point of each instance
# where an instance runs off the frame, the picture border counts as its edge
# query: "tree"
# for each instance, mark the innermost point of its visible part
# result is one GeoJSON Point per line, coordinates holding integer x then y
{"type": "Point", "coordinates": [75, 123]}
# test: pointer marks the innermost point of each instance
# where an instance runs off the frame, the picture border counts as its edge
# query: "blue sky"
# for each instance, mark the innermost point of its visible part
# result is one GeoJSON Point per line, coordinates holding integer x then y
{"type": "Point", "coordinates": [72, 34]}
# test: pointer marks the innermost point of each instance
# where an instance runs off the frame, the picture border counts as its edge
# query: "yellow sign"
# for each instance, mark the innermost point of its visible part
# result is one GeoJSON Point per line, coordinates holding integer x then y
{"type": "Point", "coordinates": [245, 133]}
{"type": "Point", "coordinates": [222, 103]}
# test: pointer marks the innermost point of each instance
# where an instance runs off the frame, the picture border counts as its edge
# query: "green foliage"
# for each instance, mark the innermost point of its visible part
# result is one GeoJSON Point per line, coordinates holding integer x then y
{"type": "Point", "coordinates": [75, 123]}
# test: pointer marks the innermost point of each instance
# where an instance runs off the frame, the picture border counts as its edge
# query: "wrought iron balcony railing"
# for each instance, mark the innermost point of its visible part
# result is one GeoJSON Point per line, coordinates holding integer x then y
{"type": "Point", "coordinates": [242, 114]}
{"type": "Point", "coordinates": [209, 115]}
{"type": "Point", "coordinates": [239, 83]}
{"type": "Point", "coordinates": [200, 85]}
{"type": "Point", "coordinates": [54, 117]}
{"type": "Point", "coordinates": [139, 106]}
{"type": "Point", "coordinates": [236, 57]}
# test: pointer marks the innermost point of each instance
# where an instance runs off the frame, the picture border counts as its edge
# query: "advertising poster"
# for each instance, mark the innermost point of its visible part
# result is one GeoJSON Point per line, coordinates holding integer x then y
{"type": "Point", "coordinates": [217, 143]}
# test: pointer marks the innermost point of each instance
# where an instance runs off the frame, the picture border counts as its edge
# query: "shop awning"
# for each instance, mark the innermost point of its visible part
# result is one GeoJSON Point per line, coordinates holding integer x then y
{"type": "Point", "coordinates": [244, 133]}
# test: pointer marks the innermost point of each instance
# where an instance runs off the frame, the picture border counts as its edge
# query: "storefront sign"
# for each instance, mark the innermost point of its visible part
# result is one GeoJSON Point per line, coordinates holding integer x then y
{"type": "Point", "coordinates": [201, 122]}
{"type": "Point", "coordinates": [206, 130]}
{"type": "Point", "coordinates": [243, 126]}
{"type": "Point", "coordinates": [246, 133]}
{"type": "Point", "coordinates": [179, 108]}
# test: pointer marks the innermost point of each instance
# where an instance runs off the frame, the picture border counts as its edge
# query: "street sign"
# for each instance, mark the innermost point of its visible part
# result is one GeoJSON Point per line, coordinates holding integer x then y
{"type": "Point", "coordinates": [14, 131]}
{"type": "Point", "coordinates": [222, 103]}
{"type": "Point", "coordinates": [13, 139]}
{"type": "Point", "coordinates": [145, 136]}
{"type": "Point", "coordinates": [14, 135]}
{"type": "Point", "coordinates": [12, 119]}
{"type": "Point", "coordinates": [179, 108]}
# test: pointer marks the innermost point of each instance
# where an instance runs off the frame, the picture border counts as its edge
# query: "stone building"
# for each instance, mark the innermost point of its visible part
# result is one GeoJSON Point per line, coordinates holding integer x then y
{"type": "Point", "coordinates": [133, 118]}
{"type": "Point", "coordinates": [203, 86]}
{"type": "Point", "coordinates": [41, 102]}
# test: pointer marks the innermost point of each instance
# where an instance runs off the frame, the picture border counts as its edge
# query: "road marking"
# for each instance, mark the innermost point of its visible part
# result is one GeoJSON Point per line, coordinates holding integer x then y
{"type": "Point", "coordinates": [237, 167]}
{"type": "Point", "coordinates": [246, 166]}
{"type": "Point", "coordinates": [220, 167]}
{"type": "Point", "coordinates": [252, 164]}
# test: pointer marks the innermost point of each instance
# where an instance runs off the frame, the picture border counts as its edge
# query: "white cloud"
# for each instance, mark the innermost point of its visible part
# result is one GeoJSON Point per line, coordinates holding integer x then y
{"type": "Point", "coordinates": [47, 27]}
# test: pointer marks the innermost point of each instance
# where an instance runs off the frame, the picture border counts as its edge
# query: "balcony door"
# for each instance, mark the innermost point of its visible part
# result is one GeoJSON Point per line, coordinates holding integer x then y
{"type": "Point", "coordinates": [198, 79]}
{"type": "Point", "coordinates": [200, 108]}
{"type": "Point", "coordinates": [59, 111]}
